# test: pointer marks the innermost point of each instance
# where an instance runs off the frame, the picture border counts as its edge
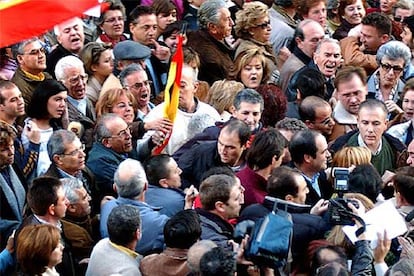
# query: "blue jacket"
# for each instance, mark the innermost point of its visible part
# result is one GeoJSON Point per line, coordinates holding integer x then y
{"type": "Point", "coordinates": [152, 222]}
{"type": "Point", "coordinates": [170, 200]}
{"type": "Point", "coordinates": [103, 162]}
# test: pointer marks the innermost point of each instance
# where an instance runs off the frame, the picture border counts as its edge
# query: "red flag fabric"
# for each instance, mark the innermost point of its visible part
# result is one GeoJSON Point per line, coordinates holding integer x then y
{"type": "Point", "coordinates": [22, 19]}
{"type": "Point", "coordinates": [172, 90]}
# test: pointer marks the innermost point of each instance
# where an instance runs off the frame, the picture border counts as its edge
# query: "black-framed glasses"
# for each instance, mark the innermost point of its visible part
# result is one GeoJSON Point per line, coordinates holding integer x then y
{"type": "Point", "coordinates": [140, 85]}
{"type": "Point", "coordinates": [114, 19]}
{"type": "Point", "coordinates": [264, 25]}
{"type": "Point", "coordinates": [123, 134]}
{"type": "Point", "coordinates": [77, 79]}
{"type": "Point", "coordinates": [398, 18]}
{"type": "Point", "coordinates": [387, 67]}
{"type": "Point", "coordinates": [76, 151]}
{"type": "Point", "coordinates": [36, 52]}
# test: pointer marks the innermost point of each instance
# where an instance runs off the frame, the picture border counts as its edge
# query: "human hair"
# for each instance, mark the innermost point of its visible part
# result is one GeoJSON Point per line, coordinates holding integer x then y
{"type": "Point", "coordinates": [303, 142]}
{"type": "Point", "coordinates": [222, 93]}
{"type": "Point", "coordinates": [191, 57]}
{"type": "Point", "coordinates": [7, 134]}
{"type": "Point", "coordinates": [70, 185]}
{"type": "Point", "coordinates": [404, 183]}
{"type": "Point", "coordinates": [138, 11]}
{"type": "Point", "coordinates": [404, 5]}
{"type": "Point", "coordinates": [326, 40]}
{"type": "Point", "coordinates": [404, 266]}
{"type": "Point", "coordinates": [56, 28]}
{"type": "Point", "coordinates": [182, 230]}
{"type": "Point", "coordinates": [174, 28]}
{"type": "Point", "coordinates": [394, 50]}
{"type": "Point", "coordinates": [130, 178]}
{"type": "Point", "coordinates": [43, 193]}
{"type": "Point", "coordinates": [35, 244]}
{"type": "Point", "coordinates": [90, 55]}
{"type": "Point", "coordinates": [38, 105]}
{"type": "Point", "coordinates": [218, 262]}
{"type": "Point", "coordinates": [156, 168]}
{"type": "Point", "coordinates": [164, 7]}
{"type": "Point", "coordinates": [243, 59]}
{"type": "Point", "coordinates": [307, 108]}
{"type": "Point", "coordinates": [129, 70]}
{"type": "Point", "coordinates": [123, 223]}
{"type": "Point", "coordinates": [345, 3]}
{"type": "Point", "coordinates": [18, 48]}
{"type": "Point", "coordinates": [58, 141]}
{"type": "Point", "coordinates": [67, 62]}
{"type": "Point", "coordinates": [112, 5]}
{"type": "Point", "coordinates": [240, 128]}
{"type": "Point", "coordinates": [196, 251]}
{"type": "Point", "coordinates": [372, 104]}
{"type": "Point", "coordinates": [282, 182]}
{"type": "Point", "coordinates": [365, 179]}
{"type": "Point", "coordinates": [409, 85]}
{"type": "Point", "coordinates": [291, 124]}
{"type": "Point", "coordinates": [379, 21]}
{"type": "Point", "coordinates": [215, 188]}
{"type": "Point", "coordinates": [318, 260]}
{"type": "Point", "coordinates": [267, 144]}
{"type": "Point", "coordinates": [218, 170]}
{"type": "Point", "coordinates": [299, 29]}
{"type": "Point", "coordinates": [348, 156]}
{"type": "Point", "coordinates": [303, 6]}
{"type": "Point", "coordinates": [209, 13]}
{"type": "Point", "coordinates": [332, 269]}
{"type": "Point", "coordinates": [275, 104]}
{"type": "Point", "coordinates": [199, 122]}
{"type": "Point", "coordinates": [247, 17]}
{"type": "Point", "coordinates": [5, 85]}
{"type": "Point", "coordinates": [346, 73]}
{"type": "Point", "coordinates": [310, 82]}
{"type": "Point", "coordinates": [101, 129]}
{"type": "Point", "coordinates": [107, 100]}
{"type": "Point", "coordinates": [248, 95]}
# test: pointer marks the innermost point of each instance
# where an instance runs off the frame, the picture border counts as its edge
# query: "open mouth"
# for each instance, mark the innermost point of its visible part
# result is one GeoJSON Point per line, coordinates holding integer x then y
{"type": "Point", "coordinates": [144, 96]}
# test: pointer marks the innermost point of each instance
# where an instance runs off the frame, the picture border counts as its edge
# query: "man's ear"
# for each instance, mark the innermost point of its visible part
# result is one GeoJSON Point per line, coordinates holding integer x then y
{"type": "Point", "coordinates": [309, 124]}
{"type": "Point", "coordinates": [114, 188]}
{"type": "Point", "coordinates": [385, 38]}
{"type": "Point", "coordinates": [220, 206]}
{"type": "Point", "coordinates": [307, 158]}
{"type": "Point", "coordinates": [289, 197]}
{"type": "Point", "coordinates": [106, 143]}
{"type": "Point", "coordinates": [56, 159]}
{"type": "Point", "coordinates": [51, 209]}
{"type": "Point", "coordinates": [71, 208]}
{"type": "Point", "coordinates": [232, 109]}
{"type": "Point", "coordinates": [211, 28]}
{"type": "Point", "coordinates": [163, 183]}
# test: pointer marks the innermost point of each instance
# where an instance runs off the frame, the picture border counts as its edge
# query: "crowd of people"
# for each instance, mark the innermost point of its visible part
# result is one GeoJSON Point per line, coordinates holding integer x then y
{"type": "Point", "coordinates": [273, 96]}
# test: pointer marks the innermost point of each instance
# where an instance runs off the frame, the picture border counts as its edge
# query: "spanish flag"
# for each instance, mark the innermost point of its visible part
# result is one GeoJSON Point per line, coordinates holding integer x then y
{"type": "Point", "coordinates": [172, 90]}
{"type": "Point", "coordinates": [23, 19]}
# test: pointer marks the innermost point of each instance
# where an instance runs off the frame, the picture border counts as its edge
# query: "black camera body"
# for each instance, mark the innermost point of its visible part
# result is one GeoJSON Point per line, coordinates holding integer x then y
{"type": "Point", "coordinates": [339, 213]}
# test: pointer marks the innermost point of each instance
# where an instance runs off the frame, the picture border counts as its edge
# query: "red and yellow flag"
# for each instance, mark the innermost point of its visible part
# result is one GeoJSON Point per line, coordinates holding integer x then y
{"type": "Point", "coordinates": [22, 19]}
{"type": "Point", "coordinates": [172, 90]}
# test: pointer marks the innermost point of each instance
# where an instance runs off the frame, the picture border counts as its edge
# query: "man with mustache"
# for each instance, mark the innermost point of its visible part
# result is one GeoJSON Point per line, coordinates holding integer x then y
{"type": "Point", "coordinates": [70, 37]}
{"type": "Point", "coordinates": [31, 57]}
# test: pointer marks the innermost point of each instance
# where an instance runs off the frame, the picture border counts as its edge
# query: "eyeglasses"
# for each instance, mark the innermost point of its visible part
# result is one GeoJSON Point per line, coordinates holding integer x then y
{"type": "Point", "coordinates": [114, 19]}
{"type": "Point", "coordinates": [126, 133]}
{"type": "Point", "coordinates": [76, 151]}
{"type": "Point", "coordinates": [140, 85]}
{"type": "Point", "coordinates": [387, 67]}
{"type": "Point", "coordinates": [264, 25]}
{"type": "Point", "coordinates": [398, 18]}
{"type": "Point", "coordinates": [36, 52]}
{"type": "Point", "coordinates": [79, 78]}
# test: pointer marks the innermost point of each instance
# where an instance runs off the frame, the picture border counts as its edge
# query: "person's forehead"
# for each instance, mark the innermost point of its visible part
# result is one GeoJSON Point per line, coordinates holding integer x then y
{"type": "Point", "coordinates": [322, 111]}
{"type": "Point", "coordinates": [33, 45]}
{"type": "Point", "coordinates": [229, 136]}
{"type": "Point", "coordinates": [147, 18]}
{"type": "Point", "coordinates": [354, 83]}
{"type": "Point", "coordinates": [329, 46]}
{"type": "Point", "coordinates": [376, 112]}
{"type": "Point", "coordinates": [116, 124]}
{"type": "Point", "coordinates": [223, 12]}
{"type": "Point", "coordinates": [313, 29]}
{"type": "Point", "coordinates": [249, 106]}
{"type": "Point", "coordinates": [397, 61]}
{"type": "Point", "coordinates": [70, 24]}
{"type": "Point", "coordinates": [10, 92]}
{"type": "Point", "coordinates": [74, 143]}
{"type": "Point", "coordinates": [73, 70]}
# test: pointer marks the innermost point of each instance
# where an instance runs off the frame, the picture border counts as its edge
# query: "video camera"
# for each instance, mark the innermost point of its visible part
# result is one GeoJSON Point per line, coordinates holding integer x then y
{"type": "Point", "coordinates": [339, 213]}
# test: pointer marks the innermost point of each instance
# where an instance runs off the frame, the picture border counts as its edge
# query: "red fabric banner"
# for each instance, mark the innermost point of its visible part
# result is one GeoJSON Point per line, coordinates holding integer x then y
{"type": "Point", "coordinates": [22, 19]}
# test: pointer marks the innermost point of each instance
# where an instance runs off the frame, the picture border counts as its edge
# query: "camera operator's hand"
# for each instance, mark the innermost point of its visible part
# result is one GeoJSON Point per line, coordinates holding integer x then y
{"type": "Point", "coordinates": [320, 207]}
{"type": "Point", "coordinates": [407, 247]}
{"type": "Point", "coordinates": [361, 208]}
{"type": "Point", "coordinates": [239, 249]}
{"type": "Point", "coordinates": [383, 246]}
